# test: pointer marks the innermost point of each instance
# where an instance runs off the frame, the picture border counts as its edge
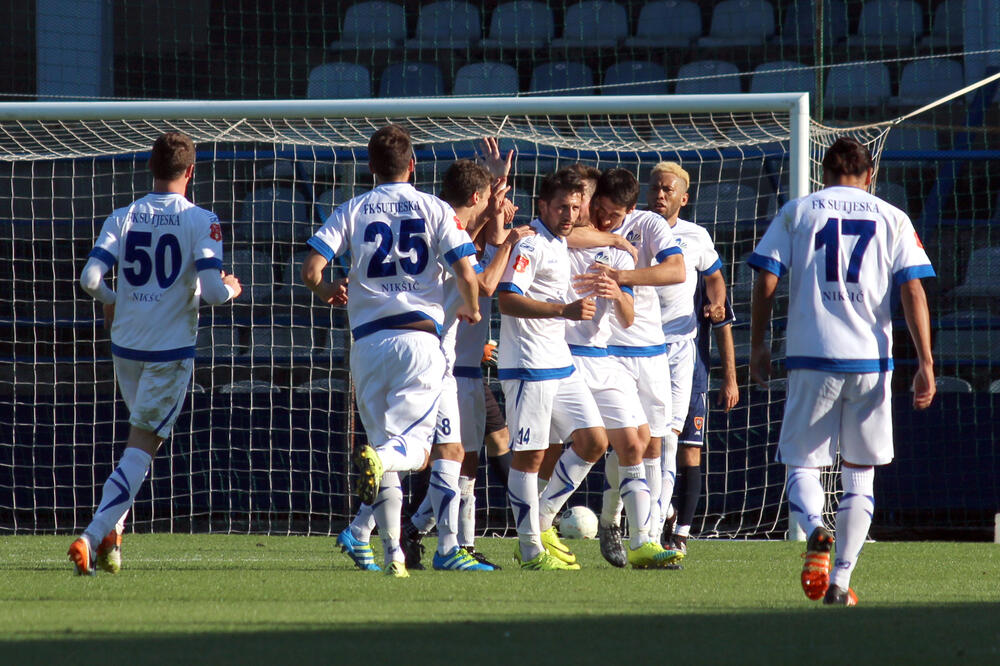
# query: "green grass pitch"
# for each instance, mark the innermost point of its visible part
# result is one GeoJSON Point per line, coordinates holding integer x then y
{"type": "Point", "coordinates": [287, 599]}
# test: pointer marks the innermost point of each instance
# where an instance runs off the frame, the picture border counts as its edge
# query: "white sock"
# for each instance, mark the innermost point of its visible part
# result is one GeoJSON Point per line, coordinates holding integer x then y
{"type": "Point", "coordinates": [467, 511]}
{"type": "Point", "coordinates": [654, 478]}
{"type": "Point", "coordinates": [541, 483]}
{"type": "Point", "coordinates": [805, 497]}
{"type": "Point", "coordinates": [611, 499]}
{"type": "Point", "coordinates": [683, 530]}
{"type": "Point", "coordinates": [635, 494]}
{"type": "Point", "coordinates": [854, 518]}
{"type": "Point", "coordinates": [443, 491]}
{"type": "Point", "coordinates": [363, 524]}
{"type": "Point", "coordinates": [119, 493]}
{"type": "Point", "coordinates": [399, 454]}
{"type": "Point", "coordinates": [120, 525]}
{"type": "Point", "coordinates": [424, 519]}
{"type": "Point", "coordinates": [523, 497]}
{"type": "Point", "coordinates": [388, 509]}
{"type": "Point", "coordinates": [569, 473]}
{"type": "Point", "coordinates": [668, 465]}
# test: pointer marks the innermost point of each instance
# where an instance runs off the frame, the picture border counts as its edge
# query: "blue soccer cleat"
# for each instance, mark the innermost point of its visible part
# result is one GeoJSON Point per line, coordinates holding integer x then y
{"type": "Point", "coordinates": [359, 551]}
{"type": "Point", "coordinates": [458, 559]}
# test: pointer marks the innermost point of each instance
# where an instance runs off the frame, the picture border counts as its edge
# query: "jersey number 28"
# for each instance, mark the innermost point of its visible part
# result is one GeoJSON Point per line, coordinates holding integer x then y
{"type": "Point", "coordinates": [410, 239]}
{"type": "Point", "coordinates": [829, 237]}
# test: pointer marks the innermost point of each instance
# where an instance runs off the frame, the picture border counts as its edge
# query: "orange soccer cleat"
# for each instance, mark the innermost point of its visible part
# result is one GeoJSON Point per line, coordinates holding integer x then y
{"type": "Point", "coordinates": [816, 568]}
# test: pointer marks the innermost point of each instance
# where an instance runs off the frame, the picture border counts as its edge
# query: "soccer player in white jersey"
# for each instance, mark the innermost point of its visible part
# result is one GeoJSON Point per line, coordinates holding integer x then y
{"type": "Point", "coordinates": [398, 239]}
{"type": "Point", "coordinates": [640, 348]}
{"type": "Point", "coordinates": [170, 254]}
{"type": "Point", "coordinates": [846, 252]}
{"type": "Point", "coordinates": [547, 401]}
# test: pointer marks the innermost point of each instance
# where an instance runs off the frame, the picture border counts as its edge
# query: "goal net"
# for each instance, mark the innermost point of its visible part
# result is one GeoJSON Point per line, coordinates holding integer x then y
{"type": "Point", "coordinates": [263, 442]}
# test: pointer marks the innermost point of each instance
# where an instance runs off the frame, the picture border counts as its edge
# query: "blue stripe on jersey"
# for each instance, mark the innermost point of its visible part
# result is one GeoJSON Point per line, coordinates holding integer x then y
{"type": "Point", "coordinates": [509, 286]}
{"type": "Point", "coordinates": [470, 372]}
{"type": "Point", "coordinates": [208, 262]}
{"type": "Point", "coordinates": [627, 290]}
{"type": "Point", "coordinates": [760, 262]}
{"type": "Point", "coordinates": [463, 250]}
{"type": "Point", "coordinates": [534, 374]}
{"type": "Point", "coordinates": [717, 266]}
{"type": "Point", "coordinates": [152, 356]}
{"type": "Point", "coordinates": [858, 365]}
{"type": "Point", "coordinates": [583, 350]}
{"type": "Point", "coordinates": [104, 257]}
{"type": "Point", "coordinates": [663, 254]}
{"type": "Point", "coordinates": [322, 248]}
{"type": "Point", "coordinates": [393, 321]}
{"type": "Point", "coordinates": [912, 273]}
{"type": "Point", "coordinates": [651, 350]}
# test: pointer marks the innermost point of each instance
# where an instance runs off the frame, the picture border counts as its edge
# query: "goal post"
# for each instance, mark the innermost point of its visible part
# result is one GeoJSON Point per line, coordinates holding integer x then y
{"type": "Point", "coordinates": [263, 442]}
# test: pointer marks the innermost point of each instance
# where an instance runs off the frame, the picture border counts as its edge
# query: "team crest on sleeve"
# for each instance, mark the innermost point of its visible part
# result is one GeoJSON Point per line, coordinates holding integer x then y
{"type": "Point", "coordinates": [919, 243]}
{"type": "Point", "coordinates": [458, 223]}
{"type": "Point", "coordinates": [521, 263]}
{"type": "Point", "coordinates": [215, 231]}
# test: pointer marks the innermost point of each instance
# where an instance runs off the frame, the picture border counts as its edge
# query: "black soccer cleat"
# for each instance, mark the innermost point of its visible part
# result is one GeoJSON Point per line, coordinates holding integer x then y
{"type": "Point", "coordinates": [838, 596]}
{"type": "Point", "coordinates": [409, 541]}
{"type": "Point", "coordinates": [479, 557]}
{"type": "Point", "coordinates": [679, 543]}
{"type": "Point", "coordinates": [667, 535]}
{"type": "Point", "coordinates": [611, 545]}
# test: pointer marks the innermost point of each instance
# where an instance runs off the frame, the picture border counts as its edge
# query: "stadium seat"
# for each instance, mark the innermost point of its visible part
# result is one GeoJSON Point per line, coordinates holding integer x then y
{"type": "Point", "coordinates": [563, 78]}
{"type": "Point", "coordinates": [288, 286]}
{"type": "Point", "coordinates": [274, 214]}
{"type": "Point", "coordinates": [982, 275]}
{"type": "Point", "coordinates": [965, 337]}
{"type": "Point", "coordinates": [283, 342]}
{"type": "Point", "coordinates": [724, 203]}
{"type": "Point", "coordinates": [339, 80]}
{"type": "Point", "coordinates": [446, 25]}
{"type": "Point", "coordinates": [255, 272]}
{"type": "Point", "coordinates": [520, 25]}
{"type": "Point", "coordinates": [273, 171]}
{"type": "Point", "coordinates": [634, 77]}
{"type": "Point", "coordinates": [683, 17]}
{"type": "Point", "coordinates": [415, 79]}
{"type": "Point", "coordinates": [486, 78]}
{"type": "Point", "coordinates": [784, 76]}
{"type": "Point", "coordinates": [924, 81]}
{"type": "Point", "coordinates": [222, 342]}
{"type": "Point", "coordinates": [739, 23]}
{"type": "Point", "coordinates": [593, 24]}
{"type": "Point", "coordinates": [888, 23]}
{"type": "Point", "coordinates": [947, 26]}
{"type": "Point", "coordinates": [799, 27]}
{"type": "Point", "coordinates": [911, 138]}
{"type": "Point", "coordinates": [863, 85]}
{"type": "Point", "coordinates": [708, 77]}
{"type": "Point", "coordinates": [371, 25]}
{"type": "Point", "coordinates": [995, 386]}
{"type": "Point", "coordinates": [325, 203]}
{"type": "Point", "coordinates": [952, 385]}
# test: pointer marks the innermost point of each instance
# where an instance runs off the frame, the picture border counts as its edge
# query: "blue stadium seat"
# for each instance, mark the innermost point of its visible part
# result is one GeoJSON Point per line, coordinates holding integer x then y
{"type": "Point", "coordinates": [740, 23]}
{"type": "Point", "coordinates": [724, 203]}
{"type": "Point", "coordinates": [861, 85]}
{"type": "Point", "coordinates": [339, 80]}
{"type": "Point", "coordinates": [708, 77]}
{"type": "Point", "coordinates": [566, 78]}
{"type": "Point", "coordinates": [446, 25]}
{"type": "Point", "coordinates": [911, 138]}
{"type": "Point", "coordinates": [486, 78]}
{"type": "Point", "coordinates": [889, 23]}
{"type": "Point", "coordinates": [371, 25]}
{"type": "Point", "coordinates": [325, 204]}
{"type": "Point", "coordinates": [593, 24]}
{"type": "Point", "coordinates": [275, 214]}
{"type": "Point", "coordinates": [965, 337]}
{"type": "Point", "coordinates": [635, 77]}
{"type": "Point", "coordinates": [947, 26]}
{"type": "Point", "coordinates": [945, 384]}
{"type": "Point", "coordinates": [799, 27]}
{"type": "Point", "coordinates": [982, 275]}
{"type": "Point", "coordinates": [415, 79]}
{"type": "Point", "coordinates": [784, 76]}
{"type": "Point", "coordinates": [924, 81]}
{"type": "Point", "coordinates": [522, 24]}
{"type": "Point", "coordinates": [683, 17]}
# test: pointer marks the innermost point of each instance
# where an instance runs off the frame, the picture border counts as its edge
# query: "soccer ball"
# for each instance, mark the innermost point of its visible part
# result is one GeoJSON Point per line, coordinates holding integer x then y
{"type": "Point", "coordinates": [578, 522]}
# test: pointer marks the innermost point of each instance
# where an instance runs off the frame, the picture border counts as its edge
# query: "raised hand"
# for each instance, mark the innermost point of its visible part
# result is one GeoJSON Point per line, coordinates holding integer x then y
{"type": "Point", "coordinates": [489, 155]}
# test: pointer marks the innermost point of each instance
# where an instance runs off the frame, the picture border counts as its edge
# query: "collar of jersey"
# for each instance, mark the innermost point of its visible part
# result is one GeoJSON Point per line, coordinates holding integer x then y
{"type": "Point", "coordinates": [543, 229]}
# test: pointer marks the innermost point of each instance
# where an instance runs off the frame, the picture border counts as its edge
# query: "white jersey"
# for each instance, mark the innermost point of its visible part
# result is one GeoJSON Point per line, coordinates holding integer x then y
{"type": "Point", "coordinates": [162, 240]}
{"type": "Point", "coordinates": [680, 321]}
{"type": "Point", "coordinates": [396, 237]}
{"type": "Point", "coordinates": [844, 251]}
{"type": "Point", "coordinates": [590, 337]}
{"type": "Point", "coordinates": [472, 337]}
{"type": "Point", "coordinates": [536, 349]}
{"type": "Point", "coordinates": [653, 239]}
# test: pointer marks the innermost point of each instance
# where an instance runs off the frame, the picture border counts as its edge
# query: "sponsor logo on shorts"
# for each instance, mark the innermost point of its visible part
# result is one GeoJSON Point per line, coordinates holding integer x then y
{"type": "Point", "coordinates": [520, 264]}
{"type": "Point", "coordinates": [699, 422]}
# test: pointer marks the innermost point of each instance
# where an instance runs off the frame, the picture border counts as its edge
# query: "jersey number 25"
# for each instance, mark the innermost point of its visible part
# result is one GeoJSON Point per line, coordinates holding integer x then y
{"type": "Point", "coordinates": [410, 240]}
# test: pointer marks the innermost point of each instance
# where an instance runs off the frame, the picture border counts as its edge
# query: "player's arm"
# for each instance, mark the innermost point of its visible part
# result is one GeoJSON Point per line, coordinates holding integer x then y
{"type": "Point", "coordinates": [918, 321]}
{"type": "Point", "coordinates": [468, 288]}
{"type": "Point", "coordinates": [334, 293]}
{"type": "Point", "coordinates": [715, 292]}
{"type": "Point", "coordinates": [761, 306]}
{"type": "Point", "coordinates": [92, 281]}
{"type": "Point", "coordinates": [216, 286]}
{"type": "Point", "coordinates": [670, 270]}
{"type": "Point", "coordinates": [518, 305]}
{"type": "Point", "coordinates": [582, 238]}
{"type": "Point", "coordinates": [491, 275]}
{"type": "Point", "coordinates": [729, 393]}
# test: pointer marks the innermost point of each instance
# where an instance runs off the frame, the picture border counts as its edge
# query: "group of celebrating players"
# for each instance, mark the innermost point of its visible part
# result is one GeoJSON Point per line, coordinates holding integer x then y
{"type": "Point", "coordinates": [604, 310]}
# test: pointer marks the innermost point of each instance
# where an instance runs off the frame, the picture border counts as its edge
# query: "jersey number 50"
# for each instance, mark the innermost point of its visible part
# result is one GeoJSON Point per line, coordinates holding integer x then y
{"type": "Point", "coordinates": [829, 237]}
{"type": "Point", "coordinates": [143, 265]}
{"type": "Point", "coordinates": [410, 240]}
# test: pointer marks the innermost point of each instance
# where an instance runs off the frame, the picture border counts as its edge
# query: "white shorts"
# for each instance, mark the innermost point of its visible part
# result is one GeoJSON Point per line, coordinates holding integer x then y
{"type": "Point", "coordinates": [472, 407]}
{"type": "Point", "coordinates": [397, 379]}
{"type": "Point", "coordinates": [448, 429]}
{"type": "Point", "coordinates": [548, 411]}
{"type": "Point", "coordinates": [154, 392]}
{"type": "Point", "coordinates": [651, 375]}
{"type": "Point", "coordinates": [616, 396]}
{"type": "Point", "coordinates": [825, 411]}
{"type": "Point", "coordinates": [680, 358]}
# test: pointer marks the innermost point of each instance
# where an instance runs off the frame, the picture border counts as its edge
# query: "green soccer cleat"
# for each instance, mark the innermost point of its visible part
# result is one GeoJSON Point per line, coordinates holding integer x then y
{"type": "Point", "coordinates": [369, 467]}
{"type": "Point", "coordinates": [652, 555]}
{"type": "Point", "coordinates": [545, 561]}
{"type": "Point", "coordinates": [397, 570]}
{"type": "Point", "coordinates": [555, 547]}
{"type": "Point", "coordinates": [109, 553]}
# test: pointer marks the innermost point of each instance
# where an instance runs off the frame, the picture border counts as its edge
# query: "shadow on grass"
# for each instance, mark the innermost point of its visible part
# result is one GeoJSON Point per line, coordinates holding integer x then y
{"type": "Point", "coordinates": [814, 635]}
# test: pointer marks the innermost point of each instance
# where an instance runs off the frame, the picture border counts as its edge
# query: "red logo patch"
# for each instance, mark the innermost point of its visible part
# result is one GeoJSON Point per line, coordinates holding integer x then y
{"type": "Point", "coordinates": [520, 264]}
{"type": "Point", "coordinates": [917, 236]}
{"type": "Point", "coordinates": [215, 231]}
{"type": "Point", "coordinates": [699, 422]}
{"type": "Point", "coordinates": [458, 223]}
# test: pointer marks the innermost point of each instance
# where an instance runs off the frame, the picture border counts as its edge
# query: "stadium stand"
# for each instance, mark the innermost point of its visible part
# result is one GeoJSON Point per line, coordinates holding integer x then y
{"type": "Point", "coordinates": [860, 86]}
{"type": "Point", "coordinates": [683, 17]}
{"type": "Point", "coordinates": [783, 76]}
{"type": "Point", "coordinates": [486, 78]}
{"type": "Point", "coordinates": [520, 25]}
{"type": "Point", "coordinates": [799, 26]}
{"type": "Point", "coordinates": [924, 81]}
{"type": "Point", "coordinates": [888, 24]}
{"type": "Point", "coordinates": [947, 26]}
{"type": "Point", "coordinates": [948, 384]}
{"type": "Point", "coordinates": [371, 25]}
{"type": "Point", "coordinates": [563, 78]}
{"type": "Point", "coordinates": [446, 25]}
{"type": "Point", "coordinates": [273, 214]}
{"type": "Point", "coordinates": [339, 80]}
{"type": "Point", "coordinates": [415, 79]}
{"type": "Point", "coordinates": [635, 78]}
{"type": "Point", "coordinates": [740, 23]}
{"type": "Point", "coordinates": [708, 77]}
{"type": "Point", "coordinates": [593, 24]}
